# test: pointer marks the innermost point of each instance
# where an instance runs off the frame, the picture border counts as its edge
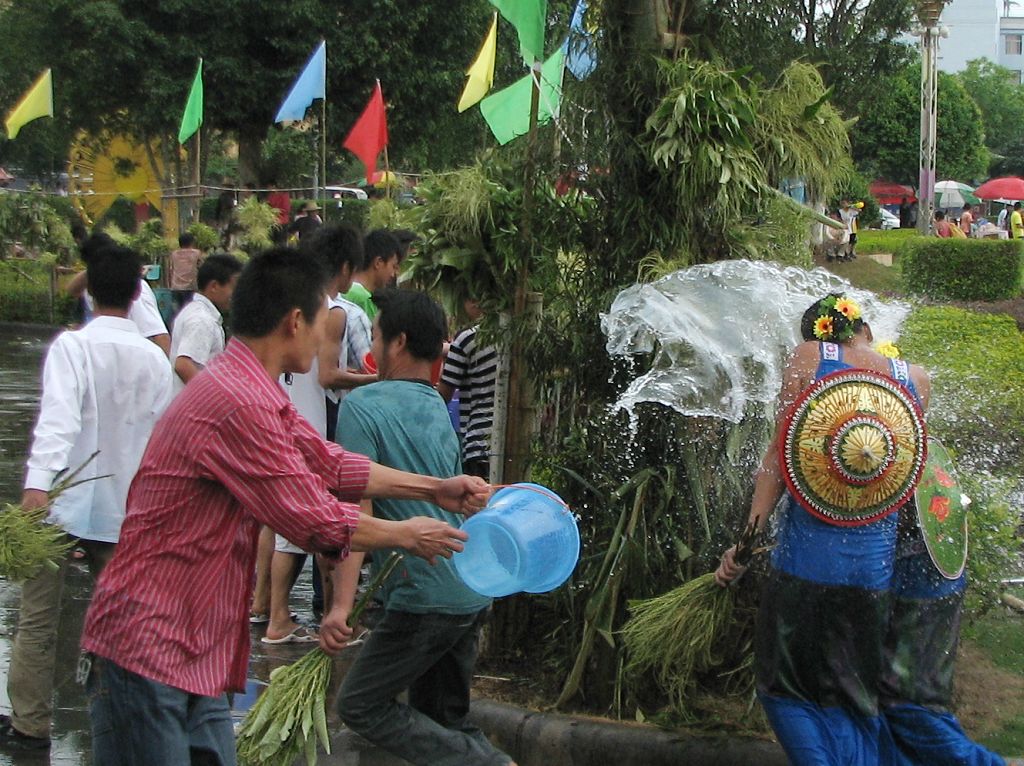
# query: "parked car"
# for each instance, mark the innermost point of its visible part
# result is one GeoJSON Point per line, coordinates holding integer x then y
{"type": "Point", "coordinates": [342, 193]}
{"type": "Point", "coordinates": [889, 220]}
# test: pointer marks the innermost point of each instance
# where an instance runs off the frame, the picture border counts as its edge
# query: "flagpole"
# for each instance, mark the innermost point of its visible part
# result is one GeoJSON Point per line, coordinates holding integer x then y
{"type": "Point", "coordinates": [196, 171]}
{"type": "Point", "coordinates": [323, 152]}
{"type": "Point", "coordinates": [197, 175]}
{"type": "Point", "coordinates": [386, 178]}
{"type": "Point", "coordinates": [323, 137]}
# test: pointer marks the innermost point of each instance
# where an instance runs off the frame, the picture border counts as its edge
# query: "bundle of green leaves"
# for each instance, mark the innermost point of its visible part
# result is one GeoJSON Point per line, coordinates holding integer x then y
{"type": "Point", "coordinates": [27, 542]}
{"type": "Point", "coordinates": [290, 716]}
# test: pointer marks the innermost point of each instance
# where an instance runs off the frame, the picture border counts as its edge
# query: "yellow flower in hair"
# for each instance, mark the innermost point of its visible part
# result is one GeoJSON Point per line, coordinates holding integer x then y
{"type": "Point", "coordinates": [888, 349]}
{"type": "Point", "coordinates": [823, 328]}
{"type": "Point", "coordinates": [848, 308]}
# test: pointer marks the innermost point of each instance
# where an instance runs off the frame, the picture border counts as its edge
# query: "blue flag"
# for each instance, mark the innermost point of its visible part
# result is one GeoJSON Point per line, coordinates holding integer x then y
{"type": "Point", "coordinates": [311, 85]}
{"type": "Point", "coordinates": [580, 47]}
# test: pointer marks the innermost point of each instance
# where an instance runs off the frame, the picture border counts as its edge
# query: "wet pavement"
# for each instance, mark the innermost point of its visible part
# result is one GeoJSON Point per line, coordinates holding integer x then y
{"type": "Point", "coordinates": [21, 352]}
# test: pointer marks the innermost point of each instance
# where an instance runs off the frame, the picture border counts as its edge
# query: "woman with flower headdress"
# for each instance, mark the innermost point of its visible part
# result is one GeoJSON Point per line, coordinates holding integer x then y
{"type": "Point", "coordinates": [823, 646]}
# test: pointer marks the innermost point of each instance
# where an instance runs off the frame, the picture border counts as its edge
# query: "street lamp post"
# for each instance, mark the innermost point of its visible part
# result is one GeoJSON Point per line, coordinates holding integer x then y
{"type": "Point", "coordinates": [928, 13]}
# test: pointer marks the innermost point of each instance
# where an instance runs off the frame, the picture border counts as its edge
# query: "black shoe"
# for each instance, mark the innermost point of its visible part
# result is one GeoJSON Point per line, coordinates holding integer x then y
{"type": "Point", "coordinates": [12, 739]}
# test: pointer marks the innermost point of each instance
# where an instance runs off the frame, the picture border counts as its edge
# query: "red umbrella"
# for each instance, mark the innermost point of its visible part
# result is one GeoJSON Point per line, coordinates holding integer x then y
{"type": "Point", "coordinates": [888, 193]}
{"type": "Point", "coordinates": [1010, 187]}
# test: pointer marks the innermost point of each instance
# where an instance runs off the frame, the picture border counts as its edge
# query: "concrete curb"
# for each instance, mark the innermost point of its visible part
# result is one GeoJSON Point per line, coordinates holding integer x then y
{"type": "Point", "coordinates": [544, 739]}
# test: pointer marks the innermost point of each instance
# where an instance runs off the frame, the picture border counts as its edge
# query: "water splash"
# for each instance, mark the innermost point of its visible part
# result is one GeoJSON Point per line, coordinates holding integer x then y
{"type": "Point", "coordinates": [720, 333]}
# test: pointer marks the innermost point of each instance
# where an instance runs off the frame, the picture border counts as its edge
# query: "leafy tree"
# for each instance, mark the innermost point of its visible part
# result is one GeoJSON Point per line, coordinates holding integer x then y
{"type": "Point", "coordinates": [131, 65]}
{"type": "Point", "coordinates": [886, 138]}
{"type": "Point", "coordinates": [852, 42]}
{"type": "Point", "coordinates": [1000, 96]}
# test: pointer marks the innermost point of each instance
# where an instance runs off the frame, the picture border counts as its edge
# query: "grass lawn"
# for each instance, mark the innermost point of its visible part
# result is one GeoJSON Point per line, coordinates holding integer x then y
{"type": "Point", "coordinates": [866, 273]}
{"type": "Point", "coordinates": [990, 680]}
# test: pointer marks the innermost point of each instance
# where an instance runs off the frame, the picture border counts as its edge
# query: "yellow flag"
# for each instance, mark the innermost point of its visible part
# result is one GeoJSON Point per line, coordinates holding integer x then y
{"type": "Point", "coordinates": [37, 102]}
{"type": "Point", "coordinates": [481, 73]}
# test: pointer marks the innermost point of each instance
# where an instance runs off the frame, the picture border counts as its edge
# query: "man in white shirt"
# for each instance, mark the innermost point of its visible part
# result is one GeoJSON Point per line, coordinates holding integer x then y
{"type": "Point", "coordinates": [104, 387]}
{"type": "Point", "coordinates": [339, 250]}
{"type": "Point", "coordinates": [199, 327]}
{"type": "Point", "coordinates": [144, 311]}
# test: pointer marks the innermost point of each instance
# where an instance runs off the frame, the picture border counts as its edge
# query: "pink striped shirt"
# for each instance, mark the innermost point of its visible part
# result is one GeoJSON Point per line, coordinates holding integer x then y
{"type": "Point", "coordinates": [230, 454]}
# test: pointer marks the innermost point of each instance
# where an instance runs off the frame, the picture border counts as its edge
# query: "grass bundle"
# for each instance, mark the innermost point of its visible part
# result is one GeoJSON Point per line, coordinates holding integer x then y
{"type": "Point", "coordinates": [291, 714]}
{"type": "Point", "coordinates": [676, 635]}
{"type": "Point", "coordinates": [27, 542]}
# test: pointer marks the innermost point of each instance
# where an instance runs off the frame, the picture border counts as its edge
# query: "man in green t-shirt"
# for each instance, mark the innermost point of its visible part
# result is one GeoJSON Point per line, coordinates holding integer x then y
{"type": "Point", "coordinates": [383, 256]}
{"type": "Point", "coordinates": [1016, 223]}
{"type": "Point", "coordinates": [427, 640]}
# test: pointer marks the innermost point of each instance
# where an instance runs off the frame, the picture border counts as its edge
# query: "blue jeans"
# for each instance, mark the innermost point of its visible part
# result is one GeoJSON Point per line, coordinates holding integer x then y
{"type": "Point", "coordinates": [431, 655]}
{"type": "Point", "coordinates": [136, 720]}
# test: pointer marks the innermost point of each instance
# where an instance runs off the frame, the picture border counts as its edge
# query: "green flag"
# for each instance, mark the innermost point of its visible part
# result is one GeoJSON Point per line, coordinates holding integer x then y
{"type": "Point", "coordinates": [528, 17]}
{"type": "Point", "coordinates": [193, 116]}
{"type": "Point", "coordinates": [507, 112]}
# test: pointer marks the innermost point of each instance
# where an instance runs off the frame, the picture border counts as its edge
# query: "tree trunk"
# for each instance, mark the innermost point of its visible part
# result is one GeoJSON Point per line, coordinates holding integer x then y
{"type": "Point", "coordinates": [250, 146]}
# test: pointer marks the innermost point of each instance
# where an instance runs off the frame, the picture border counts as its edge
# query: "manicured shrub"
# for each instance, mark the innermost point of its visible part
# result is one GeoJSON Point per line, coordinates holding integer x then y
{"type": "Point", "coordinates": [961, 269]}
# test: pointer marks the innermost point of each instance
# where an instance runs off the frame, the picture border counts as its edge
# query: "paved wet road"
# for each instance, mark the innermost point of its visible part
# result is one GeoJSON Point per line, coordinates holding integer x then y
{"type": "Point", "coordinates": [21, 352]}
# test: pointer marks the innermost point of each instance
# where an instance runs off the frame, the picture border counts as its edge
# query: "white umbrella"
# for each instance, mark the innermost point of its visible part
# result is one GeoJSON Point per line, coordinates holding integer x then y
{"type": "Point", "coordinates": [950, 194]}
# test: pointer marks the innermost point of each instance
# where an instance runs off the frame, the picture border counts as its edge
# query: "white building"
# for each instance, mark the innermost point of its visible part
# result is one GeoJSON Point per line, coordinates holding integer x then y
{"type": "Point", "coordinates": [991, 29]}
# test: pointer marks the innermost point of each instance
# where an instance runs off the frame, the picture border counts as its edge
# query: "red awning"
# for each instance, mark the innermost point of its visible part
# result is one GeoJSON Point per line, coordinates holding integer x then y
{"type": "Point", "coordinates": [888, 193]}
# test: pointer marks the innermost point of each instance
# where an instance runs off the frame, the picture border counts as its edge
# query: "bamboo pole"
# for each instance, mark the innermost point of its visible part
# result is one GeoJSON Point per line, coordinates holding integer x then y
{"type": "Point", "coordinates": [518, 431]}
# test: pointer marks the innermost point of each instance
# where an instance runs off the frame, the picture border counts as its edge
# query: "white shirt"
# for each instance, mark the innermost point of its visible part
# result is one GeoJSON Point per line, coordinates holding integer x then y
{"type": "Point", "coordinates": [143, 311]}
{"type": "Point", "coordinates": [337, 302]}
{"type": "Point", "coordinates": [104, 387]}
{"type": "Point", "coordinates": [358, 332]}
{"type": "Point", "coordinates": [308, 395]}
{"type": "Point", "coordinates": [198, 334]}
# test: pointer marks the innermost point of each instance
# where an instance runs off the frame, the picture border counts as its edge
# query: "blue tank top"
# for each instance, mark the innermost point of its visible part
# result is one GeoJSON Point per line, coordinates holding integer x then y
{"type": "Point", "coordinates": [814, 550]}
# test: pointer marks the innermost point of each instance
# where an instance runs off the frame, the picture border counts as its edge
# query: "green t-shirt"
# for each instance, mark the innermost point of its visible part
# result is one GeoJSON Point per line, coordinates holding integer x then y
{"type": "Point", "coordinates": [405, 425]}
{"type": "Point", "coordinates": [362, 297]}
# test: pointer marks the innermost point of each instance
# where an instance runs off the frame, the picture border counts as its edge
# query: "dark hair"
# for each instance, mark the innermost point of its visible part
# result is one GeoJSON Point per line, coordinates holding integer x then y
{"type": "Point", "coordinates": [967, 206]}
{"type": "Point", "coordinates": [185, 239]}
{"type": "Point", "coordinates": [380, 243]}
{"type": "Point", "coordinates": [1016, 205]}
{"type": "Point", "coordinates": [939, 215]}
{"type": "Point", "coordinates": [417, 315]}
{"type": "Point", "coordinates": [219, 267]}
{"type": "Point", "coordinates": [815, 310]}
{"type": "Point", "coordinates": [112, 276]}
{"type": "Point", "coordinates": [78, 231]}
{"type": "Point", "coordinates": [98, 241]}
{"type": "Point", "coordinates": [404, 237]}
{"type": "Point", "coordinates": [334, 245]}
{"type": "Point", "coordinates": [272, 284]}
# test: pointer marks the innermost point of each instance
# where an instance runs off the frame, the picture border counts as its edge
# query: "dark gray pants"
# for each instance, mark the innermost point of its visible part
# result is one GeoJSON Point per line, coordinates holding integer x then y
{"type": "Point", "coordinates": [431, 655]}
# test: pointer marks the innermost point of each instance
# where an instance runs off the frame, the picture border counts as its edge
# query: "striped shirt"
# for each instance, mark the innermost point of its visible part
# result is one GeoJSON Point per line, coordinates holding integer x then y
{"type": "Point", "coordinates": [231, 453]}
{"type": "Point", "coordinates": [472, 369]}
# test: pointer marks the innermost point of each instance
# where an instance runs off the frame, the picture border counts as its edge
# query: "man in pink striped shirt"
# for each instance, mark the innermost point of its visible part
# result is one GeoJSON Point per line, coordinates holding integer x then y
{"type": "Point", "coordinates": [168, 628]}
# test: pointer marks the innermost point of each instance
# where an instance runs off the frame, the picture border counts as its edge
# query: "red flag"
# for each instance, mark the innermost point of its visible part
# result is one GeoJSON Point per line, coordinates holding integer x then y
{"type": "Point", "coordinates": [369, 135]}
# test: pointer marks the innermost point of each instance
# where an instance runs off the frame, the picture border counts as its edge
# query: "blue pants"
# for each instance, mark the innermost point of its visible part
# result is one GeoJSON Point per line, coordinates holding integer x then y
{"type": "Point", "coordinates": [136, 720]}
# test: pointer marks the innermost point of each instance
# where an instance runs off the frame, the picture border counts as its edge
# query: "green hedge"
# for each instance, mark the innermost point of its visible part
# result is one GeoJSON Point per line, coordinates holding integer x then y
{"type": "Point", "coordinates": [25, 294]}
{"type": "Point", "coordinates": [961, 269]}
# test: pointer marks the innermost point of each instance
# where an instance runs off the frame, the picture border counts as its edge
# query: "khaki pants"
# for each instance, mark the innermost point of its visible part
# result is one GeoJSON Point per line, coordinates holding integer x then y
{"type": "Point", "coordinates": [30, 677]}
